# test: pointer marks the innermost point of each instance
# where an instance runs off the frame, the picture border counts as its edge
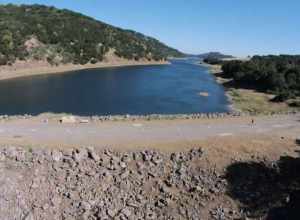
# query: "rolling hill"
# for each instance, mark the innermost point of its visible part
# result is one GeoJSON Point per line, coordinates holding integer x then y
{"type": "Point", "coordinates": [37, 32]}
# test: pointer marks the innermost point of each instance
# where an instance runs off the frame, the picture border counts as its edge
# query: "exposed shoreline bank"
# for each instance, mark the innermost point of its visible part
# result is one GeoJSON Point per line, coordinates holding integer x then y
{"type": "Point", "coordinates": [215, 69]}
{"type": "Point", "coordinates": [11, 72]}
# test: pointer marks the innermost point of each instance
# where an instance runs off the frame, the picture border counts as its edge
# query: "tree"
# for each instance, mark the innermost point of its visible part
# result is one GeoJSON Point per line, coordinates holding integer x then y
{"type": "Point", "coordinates": [278, 74]}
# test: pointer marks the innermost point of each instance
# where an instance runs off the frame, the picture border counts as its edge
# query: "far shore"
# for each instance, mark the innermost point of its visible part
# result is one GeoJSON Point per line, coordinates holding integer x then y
{"type": "Point", "coordinates": [216, 69]}
{"type": "Point", "coordinates": [246, 100]}
{"type": "Point", "coordinates": [11, 72]}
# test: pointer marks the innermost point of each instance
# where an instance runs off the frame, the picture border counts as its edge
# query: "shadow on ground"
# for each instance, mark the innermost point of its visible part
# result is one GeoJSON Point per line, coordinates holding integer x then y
{"type": "Point", "coordinates": [267, 190]}
{"type": "Point", "coordinates": [222, 75]}
{"type": "Point", "coordinates": [238, 85]}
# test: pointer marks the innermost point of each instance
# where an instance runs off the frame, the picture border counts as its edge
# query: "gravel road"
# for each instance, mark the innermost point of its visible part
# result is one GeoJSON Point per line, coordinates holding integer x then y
{"type": "Point", "coordinates": [37, 132]}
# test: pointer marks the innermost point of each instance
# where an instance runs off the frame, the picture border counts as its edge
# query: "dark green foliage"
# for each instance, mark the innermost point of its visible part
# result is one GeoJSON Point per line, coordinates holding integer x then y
{"type": "Point", "coordinates": [231, 67]}
{"type": "Point", "coordinates": [295, 104]}
{"type": "Point", "coordinates": [278, 74]}
{"type": "Point", "coordinates": [214, 58]}
{"type": "Point", "coordinates": [76, 37]}
{"type": "Point", "coordinates": [212, 61]}
{"type": "Point", "coordinates": [215, 55]}
{"type": "Point", "coordinates": [283, 95]}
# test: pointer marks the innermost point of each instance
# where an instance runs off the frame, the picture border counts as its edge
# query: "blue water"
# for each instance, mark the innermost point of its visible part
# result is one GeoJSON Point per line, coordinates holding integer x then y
{"type": "Point", "coordinates": [165, 89]}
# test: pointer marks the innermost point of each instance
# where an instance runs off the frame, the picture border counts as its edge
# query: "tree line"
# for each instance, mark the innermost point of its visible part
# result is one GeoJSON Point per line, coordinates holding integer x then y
{"type": "Point", "coordinates": [276, 74]}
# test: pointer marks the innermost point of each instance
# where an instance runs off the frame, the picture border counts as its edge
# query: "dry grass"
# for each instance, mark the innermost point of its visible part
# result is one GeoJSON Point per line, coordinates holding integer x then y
{"type": "Point", "coordinates": [33, 67]}
{"type": "Point", "coordinates": [256, 102]}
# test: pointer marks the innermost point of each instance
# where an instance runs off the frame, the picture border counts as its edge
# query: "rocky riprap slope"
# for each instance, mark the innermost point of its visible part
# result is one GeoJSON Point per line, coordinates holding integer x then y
{"type": "Point", "coordinates": [90, 184]}
{"type": "Point", "coordinates": [151, 117]}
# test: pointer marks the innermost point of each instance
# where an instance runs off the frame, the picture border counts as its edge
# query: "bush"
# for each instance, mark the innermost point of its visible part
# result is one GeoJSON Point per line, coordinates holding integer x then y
{"type": "Point", "coordinates": [212, 61]}
{"type": "Point", "coordinates": [93, 61]}
{"type": "Point", "coordinates": [3, 59]}
{"type": "Point", "coordinates": [283, 96]}
{"type": "Point", "coordinates": [295, 104]}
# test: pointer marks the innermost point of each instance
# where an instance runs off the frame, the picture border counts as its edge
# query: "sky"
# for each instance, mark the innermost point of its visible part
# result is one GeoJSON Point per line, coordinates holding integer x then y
{"type": "Point", "coordinates": [236, 27]}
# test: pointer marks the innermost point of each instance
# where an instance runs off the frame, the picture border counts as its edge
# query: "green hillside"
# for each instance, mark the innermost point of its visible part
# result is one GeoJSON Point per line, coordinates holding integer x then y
{"type": "Point", "coordinates": [63, 36]}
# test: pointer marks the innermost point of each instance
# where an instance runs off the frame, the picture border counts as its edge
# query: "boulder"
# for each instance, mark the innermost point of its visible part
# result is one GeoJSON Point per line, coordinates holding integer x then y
{"type": "Point", "coordinates": [68, 119]}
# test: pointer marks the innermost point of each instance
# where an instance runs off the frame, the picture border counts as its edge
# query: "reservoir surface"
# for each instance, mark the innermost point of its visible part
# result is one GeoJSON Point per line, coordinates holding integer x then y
{"type": "Point", "coordinates": [137, 90]}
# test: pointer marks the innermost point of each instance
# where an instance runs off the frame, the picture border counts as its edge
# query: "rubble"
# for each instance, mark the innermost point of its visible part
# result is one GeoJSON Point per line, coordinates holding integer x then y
{"type": "Point", "coordinates": [87, 183]}
{"type": "Point", "coordinates": [102, 118]}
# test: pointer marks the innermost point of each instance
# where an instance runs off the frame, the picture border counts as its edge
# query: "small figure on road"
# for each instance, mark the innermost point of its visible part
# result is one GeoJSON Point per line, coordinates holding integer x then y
{"type": "Point", "coordinates": [252, 121]}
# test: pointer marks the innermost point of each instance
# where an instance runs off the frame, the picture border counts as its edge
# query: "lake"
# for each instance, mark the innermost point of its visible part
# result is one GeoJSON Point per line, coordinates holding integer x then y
{"type": "Point", "coordinates": [137, 90]}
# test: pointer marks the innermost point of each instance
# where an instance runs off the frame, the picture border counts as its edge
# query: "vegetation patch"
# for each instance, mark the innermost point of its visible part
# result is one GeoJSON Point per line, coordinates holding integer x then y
{"type": "Point", "coordinates": [278, 75]}
{"type": "Point", "coordinates": [261, 85]}
{"type": "Point", "coordinates": [256, 102]}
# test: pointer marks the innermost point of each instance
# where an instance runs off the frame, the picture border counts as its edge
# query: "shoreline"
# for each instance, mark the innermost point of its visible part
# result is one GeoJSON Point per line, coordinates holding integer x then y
{"type": "Point", "coordinates": [47, 70]}
{"type": "Point", "coordinates": [80, 119]}
{"type": "Point", "coordinates": [215, 69]}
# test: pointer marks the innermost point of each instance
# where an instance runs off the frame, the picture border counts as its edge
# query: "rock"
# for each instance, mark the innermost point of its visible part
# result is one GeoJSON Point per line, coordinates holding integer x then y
{"type": "Point", "coordinates": [112, 212]}
{"type": "Point", "coordinates": [195, 153]}
{"type": "Point", "coordinates": [160, 203]}
{"type": "Point", "coordinates": [126, 212]}
{"type": "Point", "coordinates": [84, 121]}
{"type": "Point", "coordinates": [86, 215]}
{"type": "Point", "coordinates": [133, 204]}
{"type": "Point", "coordinates": [85, 205]}
{"type": "Point", "coordinates": [89, 184]}
{"type": "Point", "coordinates": [150, 215]}
{"type": "Point", "coordinates": [146, 155]}
{"type": "Point", "coordinates": [123, 165]}
{"type": "Point", "coordinates": [56, 155]}
{"type": "Point", "coordinates": [205, 94]}
{"type": "Point", "coordinates": [55, 201]}
{"type": "Point", "coordinates": [156, 159]}
{"type": "Point", "coordinates": [218, 213]}
{"type": "Point", "coordinates": [11, 152]}
{"type": "Point", "coordinates": [126, 158]}
{"type": "Point", "coordinates": [68, 119]}
{"type": "Point", "coordinates": [28, 216]}
{"type": "Point", "coordinates": [125, 174]}
{"type": "Point", "coordinates": [80, 155]}
{"type": "Point", "coordinates": [140, 167]}
{"type": "Point", "coordinates": [92, 154]}
{"type": "Point", "coordinates": [45, 206]}
{"type": "Point", "coordinates": [20, 155]}
{"type": "Point", "coordinates": [2, 157]}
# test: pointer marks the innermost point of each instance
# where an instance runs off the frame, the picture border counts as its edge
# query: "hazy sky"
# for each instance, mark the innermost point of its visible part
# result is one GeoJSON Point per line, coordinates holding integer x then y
{"type": "Point", "coordinates": [238, 27]}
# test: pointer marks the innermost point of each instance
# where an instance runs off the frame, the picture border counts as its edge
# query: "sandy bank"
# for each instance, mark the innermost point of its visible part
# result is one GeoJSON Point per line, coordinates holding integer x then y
{"type": "Point", "coordinates": [22, 68]}
{"type": "Point", "coordinates": [214, 69]}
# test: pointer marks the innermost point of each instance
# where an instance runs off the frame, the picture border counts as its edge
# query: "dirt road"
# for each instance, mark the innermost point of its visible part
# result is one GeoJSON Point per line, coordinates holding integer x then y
{"type": "Point", "coordinates": [36, 132]}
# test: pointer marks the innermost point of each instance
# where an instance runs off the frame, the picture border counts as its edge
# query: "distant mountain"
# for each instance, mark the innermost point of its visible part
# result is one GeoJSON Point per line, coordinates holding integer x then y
{"type": "Point", "coordinates": [62, 36]}
{"type": "Point", "coordinates": [214, 55]}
